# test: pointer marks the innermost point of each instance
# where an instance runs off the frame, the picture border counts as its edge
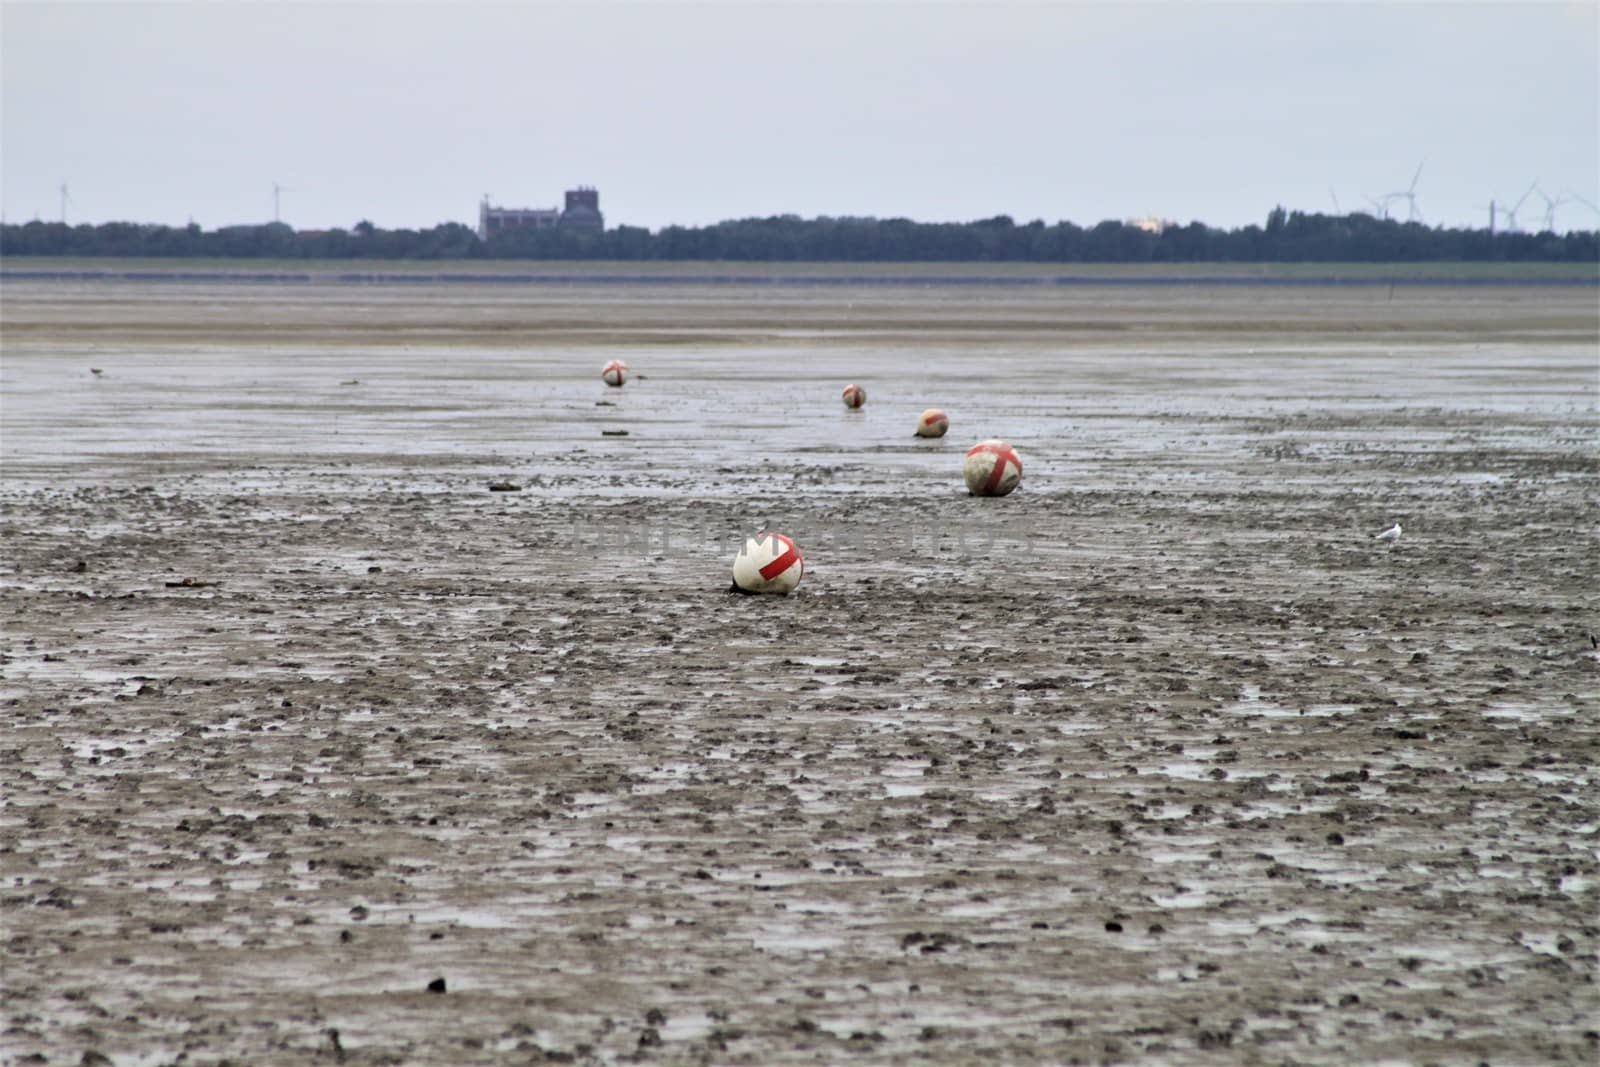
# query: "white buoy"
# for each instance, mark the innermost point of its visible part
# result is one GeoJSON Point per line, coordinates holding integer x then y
{"type": "Point", "coordinates": [932, 423]}
{"type": "Point", "coordinates": [615, 373]}
{"type": "Point", "coordinates": [853, 396]}
{"type": "Point", "coordinates": [768, 563]}
{"type": "Point", "coordinates": [992, 468]}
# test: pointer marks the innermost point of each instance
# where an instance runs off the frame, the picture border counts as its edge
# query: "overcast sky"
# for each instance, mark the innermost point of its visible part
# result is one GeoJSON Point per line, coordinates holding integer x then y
{"type": "Point", "coordinates": [407, 114]}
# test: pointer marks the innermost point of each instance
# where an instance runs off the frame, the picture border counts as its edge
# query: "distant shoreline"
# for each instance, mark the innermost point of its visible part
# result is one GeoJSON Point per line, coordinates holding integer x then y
{"type": "Point", "coordinates": [722, 273]}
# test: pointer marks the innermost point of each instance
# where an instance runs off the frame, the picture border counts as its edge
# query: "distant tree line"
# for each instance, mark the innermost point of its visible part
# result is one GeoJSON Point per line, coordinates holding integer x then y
{"type": "Point", "coordinates": [1288, 236]}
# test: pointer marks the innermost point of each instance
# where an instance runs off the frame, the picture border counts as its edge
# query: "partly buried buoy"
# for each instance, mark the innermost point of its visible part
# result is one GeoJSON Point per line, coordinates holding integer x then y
{"type": "Point", "coordinates": [932, 423]}
{"type": "Point", "coordinates": [853, 396]}
{"type": "Point", "coordinates": [992, 468]}
{"type": "Point", "coordinates": [768, 563]}
{"type": "Point", "coordinates": [615, 373]}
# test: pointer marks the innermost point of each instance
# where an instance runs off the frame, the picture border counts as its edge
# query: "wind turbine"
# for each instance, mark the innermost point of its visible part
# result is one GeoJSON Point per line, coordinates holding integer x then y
{"type": "Point", "coordinates": [276, 189]}
{"type": "Point", "coordinates": [65, 200]}
{"type": "Point", "coordinates": [1381, 204]}
{"type": "Point", "coordinates": [1550, 205]}
{"type": "Point", "coordinates": [1410, 195]}
{"type": "Point", "coordinates": [1511, 212]}
{"type": "Point", "coordinates": [1590, 204]}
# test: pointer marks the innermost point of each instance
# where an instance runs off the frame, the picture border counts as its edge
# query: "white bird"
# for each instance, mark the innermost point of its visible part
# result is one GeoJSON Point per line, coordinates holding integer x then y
{"type": "Point", "coordinates": [1391, 534]}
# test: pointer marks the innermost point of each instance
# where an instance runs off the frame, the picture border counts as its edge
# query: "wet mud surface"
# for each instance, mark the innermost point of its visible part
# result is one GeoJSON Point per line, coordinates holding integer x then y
{"type": "Point", "coordinates": [364, 701]}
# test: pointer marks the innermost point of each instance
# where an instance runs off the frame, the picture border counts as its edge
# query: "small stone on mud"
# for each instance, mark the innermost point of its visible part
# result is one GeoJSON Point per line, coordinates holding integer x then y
{"type": "Point", "coordinates": [504, 487]}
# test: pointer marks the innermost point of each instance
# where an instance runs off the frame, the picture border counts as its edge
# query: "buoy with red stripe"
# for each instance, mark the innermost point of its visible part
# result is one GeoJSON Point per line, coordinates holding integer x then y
{"type": "Point", "coordinates": [992, 468]}
{"type": "Point", "coordinates": [615, 373]}
{"type": "Point", "coordinates": [768, 563]}
{"type": "Point", "coordinates": [853, 396]}
{"type": "Point", "coordinates": [932, 423]}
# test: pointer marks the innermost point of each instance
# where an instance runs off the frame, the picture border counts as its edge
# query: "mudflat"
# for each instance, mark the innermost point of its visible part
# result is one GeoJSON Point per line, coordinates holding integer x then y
{"type": "Point", "coordinates": [372, 694]}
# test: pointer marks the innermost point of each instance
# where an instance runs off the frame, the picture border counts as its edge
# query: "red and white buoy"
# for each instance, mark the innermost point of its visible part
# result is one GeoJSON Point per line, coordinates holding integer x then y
{"type": "Point", "coordinates": [853, 396]}
{"type": "Point", "coordinates": [932, 423]}
{"type": "Point", "coordinates": [615, 373]}
{"type": "Point", "coordinates": [992, 468]}
{"type": "Point", "coordinates": [768, 563]}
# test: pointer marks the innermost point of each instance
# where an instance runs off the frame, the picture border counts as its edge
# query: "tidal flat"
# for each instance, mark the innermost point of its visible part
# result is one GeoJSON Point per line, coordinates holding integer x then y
{"type": "Point", "coordinates": [371, 692]}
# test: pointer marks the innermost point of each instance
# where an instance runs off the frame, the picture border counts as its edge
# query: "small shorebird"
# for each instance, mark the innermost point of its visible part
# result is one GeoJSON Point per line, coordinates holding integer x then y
{"type": "Point", "coordinates": [1391, 535]}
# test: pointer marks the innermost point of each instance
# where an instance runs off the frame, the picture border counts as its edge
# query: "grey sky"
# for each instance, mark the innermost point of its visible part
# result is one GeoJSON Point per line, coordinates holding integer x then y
{"type": "Point", "coordinates": [689, 113]}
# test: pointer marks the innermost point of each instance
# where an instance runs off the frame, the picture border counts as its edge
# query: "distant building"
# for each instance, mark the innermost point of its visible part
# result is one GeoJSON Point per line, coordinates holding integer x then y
{"type": "Point", "coordinates": [583, 208]}
{"type": "Point", "coordinates": [1151, 224]}
{"type": "Point", "coordinates": [582, 212]}
{"type": "Point", "coordinates": [494, 220]}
